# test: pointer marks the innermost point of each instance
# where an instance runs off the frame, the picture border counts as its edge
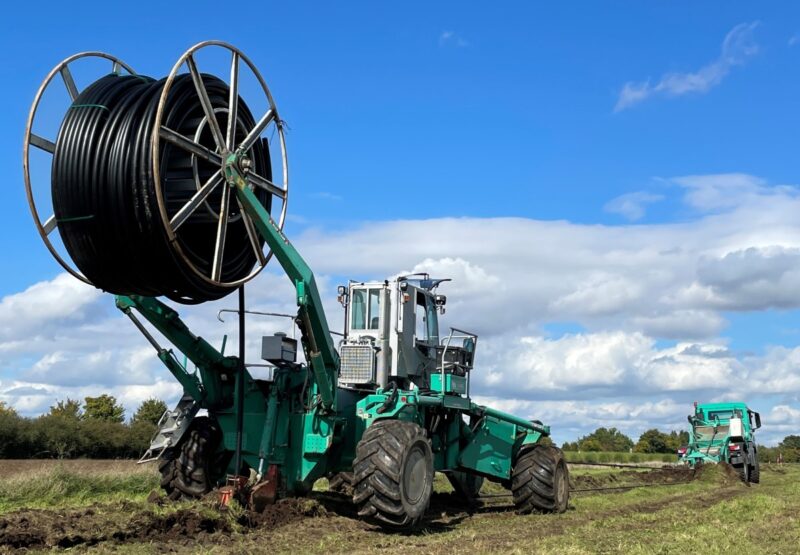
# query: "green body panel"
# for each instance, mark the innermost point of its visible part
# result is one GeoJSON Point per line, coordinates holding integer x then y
{"type": "Point", "coordinates": [491, 449]}
{"type": "Point", "coordinates": [452, 384]}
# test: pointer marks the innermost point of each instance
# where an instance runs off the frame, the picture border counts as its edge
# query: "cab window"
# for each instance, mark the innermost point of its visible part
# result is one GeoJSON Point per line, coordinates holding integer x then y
{"type": "Point", "coordinates": [374, 308]}
{"type": "Point", "coordinates": [421, 326]}
{"type": "Point", "coordinates": [365, 309]}
{"type": "Point", "coordinates": [358, 309]}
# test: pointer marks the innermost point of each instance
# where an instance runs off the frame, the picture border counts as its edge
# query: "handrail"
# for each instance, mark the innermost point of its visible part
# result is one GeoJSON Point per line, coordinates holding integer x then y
{"type": "Point", "coordinates": [461, 334]}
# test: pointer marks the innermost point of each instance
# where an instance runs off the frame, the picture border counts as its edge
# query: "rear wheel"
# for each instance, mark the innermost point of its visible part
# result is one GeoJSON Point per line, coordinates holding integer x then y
{"type": "Point", "coordinates": [540, 480]}
{"type": "Point", "coordinates": [393, 474]}
{"type": "Point", "coordinates": [755, 473]}
{"type": "Point", "coordinates": [188, 470]}
{"type": "Point", "coordinates": [467, 486]}
{"type": "Point", "coordinates": [744, 471]}
{"type": "Point", "coordinates": [341, 482]}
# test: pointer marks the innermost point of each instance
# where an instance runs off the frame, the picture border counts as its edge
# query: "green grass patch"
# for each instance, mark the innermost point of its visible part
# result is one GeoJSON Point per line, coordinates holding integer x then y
{"type": "Point", "coordinates": [59, 486]}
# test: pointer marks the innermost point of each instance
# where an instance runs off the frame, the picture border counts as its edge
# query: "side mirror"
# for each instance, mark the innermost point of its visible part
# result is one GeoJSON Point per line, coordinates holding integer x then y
{"type": "Point", "coordinates": [758, 421]}
{"type": "Point", "coordinates": [342, 295]}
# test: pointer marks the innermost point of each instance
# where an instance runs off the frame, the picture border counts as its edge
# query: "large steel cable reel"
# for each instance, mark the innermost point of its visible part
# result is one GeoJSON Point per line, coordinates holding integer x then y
{"type": "Point", "coordinates": [188, 237]}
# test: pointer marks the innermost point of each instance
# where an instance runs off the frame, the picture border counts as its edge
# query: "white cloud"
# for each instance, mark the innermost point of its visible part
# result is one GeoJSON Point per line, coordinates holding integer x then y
{"type": "Point", "coordinates": [737, 48]}
{"type": "Point", "coordinates": [632, 206]}
{"type": "Point", "coordinates": [451, 38]}
{"type": "Point", "coordinates": [627, 288]}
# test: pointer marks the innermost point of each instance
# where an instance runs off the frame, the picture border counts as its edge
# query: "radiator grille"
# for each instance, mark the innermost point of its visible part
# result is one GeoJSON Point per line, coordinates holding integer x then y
{"type": "Point", "coordinates": [357, 364]}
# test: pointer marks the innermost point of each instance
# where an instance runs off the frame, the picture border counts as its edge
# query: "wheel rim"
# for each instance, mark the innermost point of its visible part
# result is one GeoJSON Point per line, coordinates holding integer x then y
{"type": "Point", "coordinates": [415, 475]}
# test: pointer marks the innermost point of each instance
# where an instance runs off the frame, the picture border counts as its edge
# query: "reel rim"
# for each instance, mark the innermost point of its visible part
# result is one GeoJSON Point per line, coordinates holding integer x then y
{"type": "Point", "coordinates": [45, 145]}
{"type": "Point", "coordinates": [217, 179]}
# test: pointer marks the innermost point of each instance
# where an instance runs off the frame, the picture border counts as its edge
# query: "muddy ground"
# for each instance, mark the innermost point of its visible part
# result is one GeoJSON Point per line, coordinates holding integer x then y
{"type": "Point", "coordinates": [161, 526]}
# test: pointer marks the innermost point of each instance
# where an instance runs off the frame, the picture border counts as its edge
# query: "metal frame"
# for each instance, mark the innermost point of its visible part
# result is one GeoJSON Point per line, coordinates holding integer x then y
{"type": "Point", "coordinates": [46, 145]}
{"type": "Point", "coordinates": [224, 147]}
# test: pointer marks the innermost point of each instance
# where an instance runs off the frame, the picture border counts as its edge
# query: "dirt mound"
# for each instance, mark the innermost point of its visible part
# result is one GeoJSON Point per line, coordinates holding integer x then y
{"type": "Point", "coordinates": [284, 511]}
{"type": "Point", "coordinates": [631, 478]}
{"type": "Point", "coordinates": [722, 473]}
{"type": "Point", "coordinates": [128, 522]}
{"type": "Point", "coordinates": [664, 475]}
{"type": "Point", "coordinates": [90, 526]}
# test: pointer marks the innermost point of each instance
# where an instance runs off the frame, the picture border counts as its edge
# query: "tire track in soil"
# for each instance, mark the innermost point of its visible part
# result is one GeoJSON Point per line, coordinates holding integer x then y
{"type": "Point", "coordinates": [127, 522]}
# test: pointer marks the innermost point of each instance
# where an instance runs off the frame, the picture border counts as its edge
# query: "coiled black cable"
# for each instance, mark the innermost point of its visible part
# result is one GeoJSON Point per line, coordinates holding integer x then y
{"type": "Point", "coordinates": [104, 194]}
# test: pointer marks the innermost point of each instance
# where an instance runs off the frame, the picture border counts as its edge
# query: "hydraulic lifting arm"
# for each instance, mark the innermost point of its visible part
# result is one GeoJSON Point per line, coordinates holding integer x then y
{"type": "Point", "coordinates": [317, 341]}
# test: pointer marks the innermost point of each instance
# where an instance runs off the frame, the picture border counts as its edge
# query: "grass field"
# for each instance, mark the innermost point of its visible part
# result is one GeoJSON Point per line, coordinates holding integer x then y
{"type": "Point", "coordinates": [101, 506]}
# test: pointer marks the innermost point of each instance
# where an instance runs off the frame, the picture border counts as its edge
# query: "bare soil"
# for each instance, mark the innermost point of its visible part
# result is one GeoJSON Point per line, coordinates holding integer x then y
{"type": "Point", "coordinates": [166, 527]}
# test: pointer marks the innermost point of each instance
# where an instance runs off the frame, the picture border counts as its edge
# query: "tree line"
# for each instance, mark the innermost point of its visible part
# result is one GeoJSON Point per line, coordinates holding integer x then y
{"type": "Point", "coordinates": [94, 428]}
{"type": "Point", "coordinates": [656, 441]}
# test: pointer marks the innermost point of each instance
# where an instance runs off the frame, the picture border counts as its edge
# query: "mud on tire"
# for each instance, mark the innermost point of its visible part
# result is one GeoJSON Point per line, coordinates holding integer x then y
{"type": "Point", "coordinates": [393, 474]}
{"type": "Point", "coordinates": [540, 480]}
{"type": "Point", "coordinates": [187, 469]}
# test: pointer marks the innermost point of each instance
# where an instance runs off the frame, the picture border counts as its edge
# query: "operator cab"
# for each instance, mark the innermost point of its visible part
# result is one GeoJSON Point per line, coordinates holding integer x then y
{"type": "Point", "coordinates": [392, 335]}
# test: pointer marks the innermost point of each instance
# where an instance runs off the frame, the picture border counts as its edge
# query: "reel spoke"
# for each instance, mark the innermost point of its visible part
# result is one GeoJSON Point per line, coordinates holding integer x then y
{"type": "Point", "coordinates": [189, 145]}
{"type": "Point", "coordinates": [199, 197]}
{"type": "Point", "coordinates": [256, 131]}
{"type": "Point", "coordinates": [50, 225]}
{"type": "Point", "coordinates": [252, 234]}
{"type": "Point", "coordinates": [240, 134]}
{"type": "Point", "coordinates": [66, 75]}
{"type": "Point", "coordinates": [222, 228]}
{"type": "Point", "coordinates": [206, 103]}
{"type": "Point", "coordinates": [233, 102]}
{"type": "Point", "coordinates": [42, 143]}
{"type": "Point", "coordinates": [265, 183]}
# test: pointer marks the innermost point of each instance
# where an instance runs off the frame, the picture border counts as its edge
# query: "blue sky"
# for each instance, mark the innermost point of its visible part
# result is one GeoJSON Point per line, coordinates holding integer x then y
{"type": "Point", "coordinates": [578, 122]}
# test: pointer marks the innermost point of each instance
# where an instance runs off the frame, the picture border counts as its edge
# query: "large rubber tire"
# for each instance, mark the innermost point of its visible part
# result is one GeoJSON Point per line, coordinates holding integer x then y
{"type": "Point", "coordinates": [393, 474]}
{"type": "Point", "coordinates": [755, 473]}
{"type": "Point", "coordinates": [341, 482]}
{"type": "Point", "coordinates": [187, 470]}
{"type": "Point", "coordinates": [540, 480]}
{"type": "Point", "coordinates": [743, 470]}
{"type": "Point", "coordinates": [466, 486]}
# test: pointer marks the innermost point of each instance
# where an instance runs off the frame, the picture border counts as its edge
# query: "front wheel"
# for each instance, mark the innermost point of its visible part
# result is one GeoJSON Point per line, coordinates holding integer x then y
{"type": "Point", "coordinates": [187, 470]}
{"type": "Point", "coordinates": [393, 474]}
{"type": "Point", "coordinates": [540, 480]}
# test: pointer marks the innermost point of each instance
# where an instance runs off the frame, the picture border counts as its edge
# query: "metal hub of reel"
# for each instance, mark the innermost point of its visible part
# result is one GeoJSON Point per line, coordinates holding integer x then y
{"type": "Point", "coordinates": [218, 145]}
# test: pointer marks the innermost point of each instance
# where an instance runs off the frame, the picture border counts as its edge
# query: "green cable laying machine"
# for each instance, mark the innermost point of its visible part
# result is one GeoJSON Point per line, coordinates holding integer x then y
{"type": "Point", "coordinates": [169, 188]}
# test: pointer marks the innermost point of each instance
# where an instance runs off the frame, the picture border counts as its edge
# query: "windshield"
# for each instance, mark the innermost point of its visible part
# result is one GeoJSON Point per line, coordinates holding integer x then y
{"type": "Point", "coordinates": [722, 414]}
{"type": "Point", "coordinates": [365, 309]}
{"type": "Point", "coordinates": [705, 434]}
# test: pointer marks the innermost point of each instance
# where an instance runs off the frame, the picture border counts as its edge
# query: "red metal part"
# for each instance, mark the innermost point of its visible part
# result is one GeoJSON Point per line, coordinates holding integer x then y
{"type": "Point", "coordinates": [234, 486]}
{"type": "Point", "coordinates": [266, 491]}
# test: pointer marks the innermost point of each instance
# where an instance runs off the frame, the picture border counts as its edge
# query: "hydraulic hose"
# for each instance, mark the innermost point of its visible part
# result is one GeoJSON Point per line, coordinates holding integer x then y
{"type": "Point", "coordinates": [105, 197]}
